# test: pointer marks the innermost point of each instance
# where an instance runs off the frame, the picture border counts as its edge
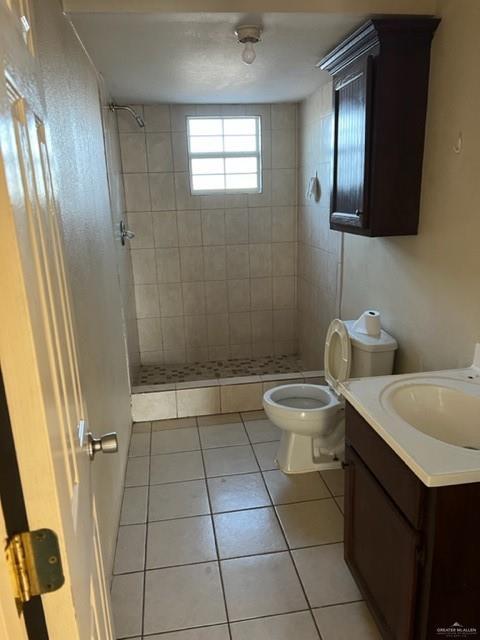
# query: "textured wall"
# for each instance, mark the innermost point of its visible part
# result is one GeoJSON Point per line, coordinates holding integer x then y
{"type": "Point", "coordinates": [80, 179]}
{"type": "Point", "coordinates": [427, 286]}
{"type": "Point", "coordinates": [318, 247]}
{"type": "Point", "coordinates": [214, 275]}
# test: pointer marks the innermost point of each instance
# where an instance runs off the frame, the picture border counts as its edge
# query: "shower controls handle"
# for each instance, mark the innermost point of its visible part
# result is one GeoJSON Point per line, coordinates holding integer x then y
{"type": "Point", "coordinates": [108, 443]}
{"type": "Point", "coordinates": [125, 234]}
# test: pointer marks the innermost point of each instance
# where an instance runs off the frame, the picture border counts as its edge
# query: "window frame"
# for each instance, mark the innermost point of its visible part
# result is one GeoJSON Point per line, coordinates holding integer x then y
{"type": "Point", "coordinates": [194, 155]}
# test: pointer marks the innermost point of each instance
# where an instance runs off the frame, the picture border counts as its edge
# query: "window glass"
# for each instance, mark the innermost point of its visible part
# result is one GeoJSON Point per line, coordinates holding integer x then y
{"type": "Point", "coordinates": [224, 154]}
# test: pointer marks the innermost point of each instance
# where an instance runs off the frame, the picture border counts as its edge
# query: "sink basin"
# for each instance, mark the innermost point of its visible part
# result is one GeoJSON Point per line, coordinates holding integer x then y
{"type": "Point", "coordinates": [437, 409]}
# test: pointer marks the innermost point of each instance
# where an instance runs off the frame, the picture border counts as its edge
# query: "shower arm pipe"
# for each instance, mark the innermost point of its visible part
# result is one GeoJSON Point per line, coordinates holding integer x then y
{"type": "Point", "coordinates": [124, 107]}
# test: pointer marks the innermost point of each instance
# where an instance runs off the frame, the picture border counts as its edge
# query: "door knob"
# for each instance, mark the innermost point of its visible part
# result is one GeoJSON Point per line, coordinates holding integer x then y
{"type": "Point", "coordinates": [108, 443]}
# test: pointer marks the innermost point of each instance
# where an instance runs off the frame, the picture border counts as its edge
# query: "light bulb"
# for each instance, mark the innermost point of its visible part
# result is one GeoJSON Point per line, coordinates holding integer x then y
{"type": "Point", "coordinates": [249, 55]}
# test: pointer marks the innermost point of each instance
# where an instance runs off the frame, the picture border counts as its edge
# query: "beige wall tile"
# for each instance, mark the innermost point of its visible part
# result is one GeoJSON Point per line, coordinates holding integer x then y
{"type": "Point", "coordinates": [184, 198]}
{"type": "Point", "coordinates": [237, 261]}
{"type": "Point", "coordinates": [241, 397]}
{"type": "Point", "coordinates": [173, 332]}
{"type": "Point", "coordinates": [284, 259]}
{"type": "Point", "coordinates": [196, 331]}
{"type": "Point", "coordinates": [218, 329]}
{"type": "Point", "coordinates": [191, 264]}
{"type": "Point", "coordinates": [179, 148]}
{"type": "Point", "coordinates": [168, 265]}
{"type": "Point", "coordinates": [260, 225]}
{"type": "Point", "coordinates": [262, 326]}
{"type": "Point", "coordinates": [283, 149]}
{"type": "Point", "coordinates": [137, 194]}
{"type": "Point", "coordinates": [141, 225]}
{"type": "Point", "coordinates": [154, 406]}
{"type": "Point", "coordinates": [162, 192]}
{"type": "Point", "coordinates": [217, 241]}
{"type": "Point", "coordinates": [165, 229]}
{"type": "Point", "coordinates": [179, 113]}
{"type": "Point", "coordinates": [198, 402]}
{"type": "Point", "coordinates": [284, 292]}
{"type": "Point", "coordinates": [157, 117]}
{"type": "Point", "coordinates": [239, 295]}
{"type": "Point", "coordinates": [216, 297]}
{"type": "Point", "coordinates": [263, 199]}
{"type": "Point", "coordinates": [189, 228]}
{"type": "Point", "coordinates": [214, 262]}
{"type": "Point", "coordinates": [236, 226]}
{"type": "Point", "coordinates": [261, 293]}
{"type": "Point", "coordinates": [213, 227]}
{"type": "Point", "coordinates": [170, 299]}
{"type": "Point", "coordinates": [240, 329]}
{"type": "Point", "coordinates": [193, 297]}
{"type": "Point", "coordinates": [132, 147]}
{"type": "Point", "coordinates": [283, 224]}
{"type": "Point", "coordinates": [159, 152]}
{"type": "Point", "coordinates": [147, 301]}
{"type": "Point", "coordinates": [283, 187]}
{"type": "Point", "coordinates": [260, 260]}
{"type": "Point", "coordinates": [284, 116]}
{"type": "Point", "coordinates": [144, 266]}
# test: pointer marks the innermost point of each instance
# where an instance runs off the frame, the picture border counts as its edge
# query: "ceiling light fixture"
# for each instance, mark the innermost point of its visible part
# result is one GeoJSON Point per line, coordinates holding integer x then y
{"type": "Point", "coordinates": [248, 35]}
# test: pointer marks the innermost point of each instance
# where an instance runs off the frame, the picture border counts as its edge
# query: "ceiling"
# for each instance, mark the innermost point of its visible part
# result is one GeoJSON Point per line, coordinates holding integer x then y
{"type": "Point", "coordinates": [194, 57]}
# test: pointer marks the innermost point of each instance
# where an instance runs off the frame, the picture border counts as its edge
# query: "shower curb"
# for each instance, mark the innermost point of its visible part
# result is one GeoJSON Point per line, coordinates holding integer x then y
{"type": "Point", "coordinates": [210, 397]}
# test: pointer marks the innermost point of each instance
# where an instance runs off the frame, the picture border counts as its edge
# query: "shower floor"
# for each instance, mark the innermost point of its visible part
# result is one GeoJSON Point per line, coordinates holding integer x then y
{"type": "Point", "coordinates": [160, 374]}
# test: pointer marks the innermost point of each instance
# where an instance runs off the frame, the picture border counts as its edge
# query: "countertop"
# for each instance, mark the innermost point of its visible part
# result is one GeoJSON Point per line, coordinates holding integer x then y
{"type": "Point", "coordinates": [436, 463]}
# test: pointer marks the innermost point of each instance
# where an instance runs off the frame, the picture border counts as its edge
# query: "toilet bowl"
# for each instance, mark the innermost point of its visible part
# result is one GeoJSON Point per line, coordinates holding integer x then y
{"type": "Point", "coordinates": [311, 416]}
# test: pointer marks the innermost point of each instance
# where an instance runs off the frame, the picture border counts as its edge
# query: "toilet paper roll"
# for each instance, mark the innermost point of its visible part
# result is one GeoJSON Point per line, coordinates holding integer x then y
{"type": "Point", "coordinates": [369, 323]}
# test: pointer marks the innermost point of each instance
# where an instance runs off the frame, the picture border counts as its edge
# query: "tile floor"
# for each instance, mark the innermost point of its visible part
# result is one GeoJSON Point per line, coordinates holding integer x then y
{"type": "Point", "coordinates": [160, 374]}
{"type": "Point", "coordinates": [216, 543]}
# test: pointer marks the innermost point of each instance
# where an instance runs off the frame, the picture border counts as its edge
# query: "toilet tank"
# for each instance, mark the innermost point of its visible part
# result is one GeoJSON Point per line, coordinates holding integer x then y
{"type": "Point", "coordinates": [371, 356]}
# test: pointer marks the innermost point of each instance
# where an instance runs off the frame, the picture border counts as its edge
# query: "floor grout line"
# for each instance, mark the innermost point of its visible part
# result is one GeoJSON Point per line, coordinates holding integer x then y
{"type": "Point", "coordinates": [146, 541]}
{"type": "Point", "coordinates": [292, 560]}
{"type": "Point", "coordinates": [220, 559]}
{"type": "Point", "coordinates": [212, 522]}
{"type": "Point", "coordinates": [211, 515]}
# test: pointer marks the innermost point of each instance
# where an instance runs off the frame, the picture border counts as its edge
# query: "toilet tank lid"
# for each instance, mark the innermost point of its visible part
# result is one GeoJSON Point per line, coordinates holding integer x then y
{"type": "Point", "coordinates": [384, 342]}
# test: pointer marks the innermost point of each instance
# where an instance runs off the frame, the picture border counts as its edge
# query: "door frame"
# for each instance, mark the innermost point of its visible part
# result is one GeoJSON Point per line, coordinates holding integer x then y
{"type": "Point", "coordinates": [14, 511]}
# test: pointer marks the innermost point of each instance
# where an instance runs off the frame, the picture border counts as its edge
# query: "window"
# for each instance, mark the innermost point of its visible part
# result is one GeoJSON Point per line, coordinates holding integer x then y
{"type": "Point", "coordinates": [224, 154]}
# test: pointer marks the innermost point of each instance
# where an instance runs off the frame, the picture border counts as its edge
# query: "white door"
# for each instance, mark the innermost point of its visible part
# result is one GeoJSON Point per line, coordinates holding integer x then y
{"type": "Point", "coordinates": [38, 348]}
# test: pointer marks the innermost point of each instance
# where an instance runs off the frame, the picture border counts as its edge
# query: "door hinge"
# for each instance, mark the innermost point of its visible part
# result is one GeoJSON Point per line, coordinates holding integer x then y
{"type": "Point", "coordinates": [35, 564]}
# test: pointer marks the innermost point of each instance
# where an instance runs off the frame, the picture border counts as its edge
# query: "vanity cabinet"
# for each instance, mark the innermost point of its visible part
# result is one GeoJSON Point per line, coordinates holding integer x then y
{"type": "Point", "coordinates": [380, 84]}
{"type": "Point", "coordinates": [413, 550]}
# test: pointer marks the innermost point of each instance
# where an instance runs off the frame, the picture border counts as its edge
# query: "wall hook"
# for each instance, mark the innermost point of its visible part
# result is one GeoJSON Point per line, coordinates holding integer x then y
{"type": "Point", "coordinates": [457, 147]}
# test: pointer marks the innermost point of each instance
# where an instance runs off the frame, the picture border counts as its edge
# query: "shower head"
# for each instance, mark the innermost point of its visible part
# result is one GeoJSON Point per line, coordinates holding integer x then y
{"type": "Point", "coordinates": [118, 107]}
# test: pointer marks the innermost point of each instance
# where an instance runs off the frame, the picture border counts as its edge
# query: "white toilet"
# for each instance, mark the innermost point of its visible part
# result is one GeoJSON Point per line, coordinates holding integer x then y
{"type": "Point", "coordinates": [312, 416]}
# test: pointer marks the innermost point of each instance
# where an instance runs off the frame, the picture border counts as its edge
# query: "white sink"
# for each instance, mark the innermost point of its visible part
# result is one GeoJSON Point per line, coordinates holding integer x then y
{"type": "Point", "coordinates": [439, 408]}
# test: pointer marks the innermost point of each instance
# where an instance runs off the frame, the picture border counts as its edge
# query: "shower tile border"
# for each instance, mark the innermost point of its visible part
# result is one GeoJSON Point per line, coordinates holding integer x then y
{"type": "Point", "coordinates": [154, 402]}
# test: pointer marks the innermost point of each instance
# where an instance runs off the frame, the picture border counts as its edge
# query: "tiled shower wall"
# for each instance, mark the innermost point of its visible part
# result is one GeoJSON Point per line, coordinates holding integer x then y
{"type": "Point", "coordinates": [215, 276]}
{"type": "Point", "coordinates": [319, 249]}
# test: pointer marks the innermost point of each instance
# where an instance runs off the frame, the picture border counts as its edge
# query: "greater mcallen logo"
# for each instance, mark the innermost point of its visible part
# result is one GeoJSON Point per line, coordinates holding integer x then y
{"type": "Point", "coordinates": [456, 630]}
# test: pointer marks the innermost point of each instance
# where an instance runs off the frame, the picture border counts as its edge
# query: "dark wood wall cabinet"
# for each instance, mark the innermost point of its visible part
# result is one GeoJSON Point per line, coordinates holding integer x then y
{"type": "Point", "coordinates": [380, 84]}
{"type": "Point", "coordinates": [413, 550]}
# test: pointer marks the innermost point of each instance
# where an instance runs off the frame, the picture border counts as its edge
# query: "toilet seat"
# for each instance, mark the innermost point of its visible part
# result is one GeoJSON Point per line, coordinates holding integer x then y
{"type": "Point", "coordinates": [311, 400]}
{"type": "Point", "coordinates": [338, 354]}
{"type": "Point", "coordinates": [308, 399]}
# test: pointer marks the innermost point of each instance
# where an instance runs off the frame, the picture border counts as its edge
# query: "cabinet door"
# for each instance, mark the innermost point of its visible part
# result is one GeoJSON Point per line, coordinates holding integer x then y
{"type": "Point", "coordinates": [352, 102]}
{"type": "Point", "coordinates": [381, 549]}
